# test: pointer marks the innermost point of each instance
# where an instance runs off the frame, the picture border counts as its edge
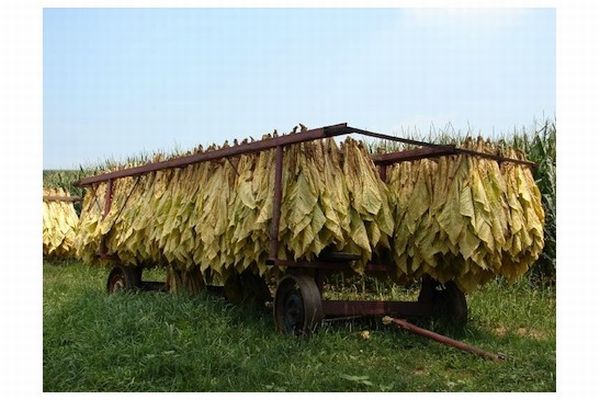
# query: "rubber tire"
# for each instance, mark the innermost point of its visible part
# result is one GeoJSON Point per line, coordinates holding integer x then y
{"type": "Point", "coordinates": [123, 278]}
{"type": "Point", "coordinates": [305, 290]}
{"type": "Point", "coordinates": [450, 305]}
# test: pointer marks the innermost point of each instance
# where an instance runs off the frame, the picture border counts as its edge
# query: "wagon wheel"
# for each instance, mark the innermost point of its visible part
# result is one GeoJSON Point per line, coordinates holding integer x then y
{"type": "Point", "coordinates": [246, 288]}
{"type": "Point", "coordinates": [123, 279]}
{"type": "Point", "coordinates": [298, 309]}
{"type": "Point", "coordinates": [450, 305]}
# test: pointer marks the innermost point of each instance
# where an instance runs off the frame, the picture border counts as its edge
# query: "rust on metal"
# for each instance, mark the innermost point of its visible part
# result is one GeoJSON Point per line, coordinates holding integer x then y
{"type": "Point", "coordinates": [108, 198]}
{"type": "Point", "coordinates": [496, 157]}
{"type": "Point", "coordinates": [441, 147]}
{"type": "Point", "coordinates": [243, 148]}
{"type": "Point", "coordinates": [391, 138]}
{"type": "Point", "coordinates": [285, 140]}
{"type": "Point", "coordinates": [326, 265]}
{"type": "Point", "coordinates": [337, 308]}
{"type": "Point", "coordinates": [403, 324]}
{"type": "Point", "coordinates": [103, 251]}
{"type": "Point", "coordinates": [410, 155]}
{"type": "Point", "coordinates": [67, 199]}
{"type": "Point", "coordinates": [277, 194]}
{"type": "Point", "coordinates": [382, 171]}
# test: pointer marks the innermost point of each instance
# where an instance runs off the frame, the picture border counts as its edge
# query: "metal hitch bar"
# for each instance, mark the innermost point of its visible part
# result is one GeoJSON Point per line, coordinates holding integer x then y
{"type": "Point", "coordinates": [403, 324]}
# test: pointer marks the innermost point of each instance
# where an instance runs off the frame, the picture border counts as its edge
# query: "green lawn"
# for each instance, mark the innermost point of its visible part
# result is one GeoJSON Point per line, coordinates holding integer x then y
{"type": "Point", "coordinates": [162, 342]}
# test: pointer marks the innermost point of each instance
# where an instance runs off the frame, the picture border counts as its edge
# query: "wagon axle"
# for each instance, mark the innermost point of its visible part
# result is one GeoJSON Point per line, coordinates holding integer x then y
{"type": "Point", "coordinates": [298, 292]}
{"type": "Point", "coordinates": [298, 303]}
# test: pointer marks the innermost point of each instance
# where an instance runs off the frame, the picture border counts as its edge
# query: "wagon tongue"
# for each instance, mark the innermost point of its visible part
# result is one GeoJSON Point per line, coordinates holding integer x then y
{"type": "Point", "coordinates": [403, 324]}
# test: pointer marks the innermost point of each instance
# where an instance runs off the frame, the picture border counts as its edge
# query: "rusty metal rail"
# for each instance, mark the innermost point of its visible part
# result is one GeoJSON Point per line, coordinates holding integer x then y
{"type": "Point", "coordinates": [418, 154]}
{"type": "Point", "coordinates": [403, 324]}
{"type": "Point", "coordinates": [432, 150]}
{"type": "Point", "coordinates": [364, 308]}
{"type": "Point", "coordinates": [244, 148]}
{"type": "Point", "coordinates": [411, 155]}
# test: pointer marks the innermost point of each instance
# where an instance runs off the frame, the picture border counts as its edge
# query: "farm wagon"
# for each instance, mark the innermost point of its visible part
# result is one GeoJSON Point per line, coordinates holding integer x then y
{"type": "Point", "coordinates": [298, 303]}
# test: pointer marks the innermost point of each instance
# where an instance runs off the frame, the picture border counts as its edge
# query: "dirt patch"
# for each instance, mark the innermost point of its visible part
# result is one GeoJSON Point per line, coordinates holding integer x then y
{"type": "Point", "coordinates": [532, 333]}
{"type": "Point", "coordinates": [500, 330]}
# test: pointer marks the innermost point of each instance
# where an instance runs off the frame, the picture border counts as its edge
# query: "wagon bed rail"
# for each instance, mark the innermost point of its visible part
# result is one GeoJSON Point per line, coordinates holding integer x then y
{"type": "Point", "coordinates": [428, 150]}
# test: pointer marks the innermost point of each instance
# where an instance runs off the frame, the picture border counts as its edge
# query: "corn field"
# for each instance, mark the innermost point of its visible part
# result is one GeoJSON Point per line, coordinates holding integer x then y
{"type": "Point", "coordinates": [540, 148]}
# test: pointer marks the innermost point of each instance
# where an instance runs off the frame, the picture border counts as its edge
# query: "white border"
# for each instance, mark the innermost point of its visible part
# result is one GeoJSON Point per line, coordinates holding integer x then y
{"type": "Point", "coordinates": [20, 171]}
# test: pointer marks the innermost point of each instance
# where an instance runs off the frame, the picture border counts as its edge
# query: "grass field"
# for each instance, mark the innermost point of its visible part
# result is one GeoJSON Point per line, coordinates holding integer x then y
{"type": "Point", "coordinates": [162, 342]}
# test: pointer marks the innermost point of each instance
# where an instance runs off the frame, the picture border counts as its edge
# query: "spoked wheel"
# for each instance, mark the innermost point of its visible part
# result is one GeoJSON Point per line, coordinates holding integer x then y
{"type": "Point", "coordinates": [123, 279]}
{"type": "Point", "coordinates": [448, 301]}
{"type": "Point", "coordinates": [298, 309]}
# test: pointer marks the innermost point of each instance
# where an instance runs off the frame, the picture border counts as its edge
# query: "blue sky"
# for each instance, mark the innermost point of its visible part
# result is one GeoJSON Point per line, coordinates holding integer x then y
{"type": "Point", "coordinates": [118, 82]}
